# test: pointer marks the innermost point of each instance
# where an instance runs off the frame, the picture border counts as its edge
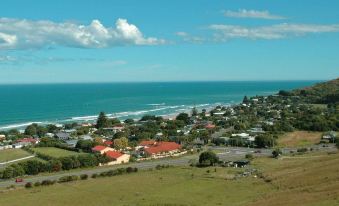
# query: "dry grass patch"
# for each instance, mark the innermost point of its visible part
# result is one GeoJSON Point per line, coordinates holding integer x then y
{"type": "Point", "coordinates": [299, 139]}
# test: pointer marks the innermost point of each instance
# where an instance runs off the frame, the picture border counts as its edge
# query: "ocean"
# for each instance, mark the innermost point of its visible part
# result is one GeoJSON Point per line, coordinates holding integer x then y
{"type": "Point", "coordinates": [21, 105]}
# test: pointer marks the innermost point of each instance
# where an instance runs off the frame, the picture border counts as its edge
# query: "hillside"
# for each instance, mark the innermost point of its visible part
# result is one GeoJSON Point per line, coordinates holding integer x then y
{"type": "Point", "coordinates": [321, 93]}
{"type": "Point", "coordinates": [310, 179]}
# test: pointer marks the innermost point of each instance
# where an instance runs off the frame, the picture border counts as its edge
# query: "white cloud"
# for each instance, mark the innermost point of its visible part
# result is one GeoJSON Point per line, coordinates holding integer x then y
{"type": "Point", "coordinates": [279, 31]}
{"type": "Point", "coordinates": [181, 33]}
{"type": "Point", "coordinates": [27, 34]}
{"type": "Point", "coordinates": [243, 13]}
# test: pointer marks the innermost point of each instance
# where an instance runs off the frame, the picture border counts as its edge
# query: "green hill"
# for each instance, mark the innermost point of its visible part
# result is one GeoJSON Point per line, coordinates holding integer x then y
{"type": "Point", "coordinates": [321, 93]}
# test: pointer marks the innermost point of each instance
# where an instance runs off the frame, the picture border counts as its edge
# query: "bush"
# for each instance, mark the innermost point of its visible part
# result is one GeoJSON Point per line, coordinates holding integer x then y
{"type": "Point", "coordinates": [94, 175]}
{"type": "Point", "coordinates": [276, 153]}
{"type": "Point", "coordinates": [302, 150]}
{"type": "Point", "coordinates": [68, 178]}
{"type": "Point", "coordinates": [249, 156]}
{"type": "Point", "coordinates": [83, 177]}
{"type": "Point", "coordinates": [28, 185]}
{"type": "Point", "coordinates": [37, 184]}
{"type": "Point", "coordinates": [47, 182]}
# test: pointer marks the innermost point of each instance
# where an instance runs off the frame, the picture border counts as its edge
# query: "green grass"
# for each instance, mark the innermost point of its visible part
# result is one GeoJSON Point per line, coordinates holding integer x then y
{"type": "Point", "coordinates": [55, 152]}
{"type": "Point", "coordinates": [306, 180]}
{"type": "Point", "coordinates": [173, 186]}
{"type": "Point", "coordinates": [12, 154]}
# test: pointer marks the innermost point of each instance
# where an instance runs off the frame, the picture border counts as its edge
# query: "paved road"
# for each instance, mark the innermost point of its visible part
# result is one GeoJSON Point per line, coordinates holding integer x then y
{"type": "Point", "coordinates": [224, 153]}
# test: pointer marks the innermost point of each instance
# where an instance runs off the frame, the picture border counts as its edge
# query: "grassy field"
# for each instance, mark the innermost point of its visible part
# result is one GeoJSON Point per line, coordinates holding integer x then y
{"type": "Point", "coordinates": [306, 180]}
{"type": "Point", "coordinates": [54, 152]}
{"type": "Point", "coordinates": [12, 154]}
{"type": "Point", "coordinates": [299, 139]}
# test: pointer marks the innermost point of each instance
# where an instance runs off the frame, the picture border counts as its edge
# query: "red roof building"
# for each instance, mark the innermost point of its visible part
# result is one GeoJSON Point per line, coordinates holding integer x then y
{"type": "Point", "coordinates": [26, 140]}
{"type": "Point", "coordinates": [108, 143]}
{"type": "Point", "coordinates": [162, 147]}
{"type": "Point", "coordinates": [101, 149]}
{"type": "Point", "coordinates": [148, 143]}
{"type": "Point", "coordinates": [113, 154]}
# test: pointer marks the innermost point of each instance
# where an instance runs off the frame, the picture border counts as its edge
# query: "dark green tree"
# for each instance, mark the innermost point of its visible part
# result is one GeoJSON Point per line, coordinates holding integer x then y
{"type": "Point", "coordinates": [102, 121]}
{"type": "Point", "coordinates": [208, 158]}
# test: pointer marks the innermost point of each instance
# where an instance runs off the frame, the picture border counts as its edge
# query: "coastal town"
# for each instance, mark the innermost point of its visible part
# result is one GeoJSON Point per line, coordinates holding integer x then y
{"type": "Point", "coordinates": [256, 122]}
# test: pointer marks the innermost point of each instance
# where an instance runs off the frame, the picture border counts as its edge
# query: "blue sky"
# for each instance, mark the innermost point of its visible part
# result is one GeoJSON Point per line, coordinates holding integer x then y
{"type": "Point", "coordinates": [191, 40]}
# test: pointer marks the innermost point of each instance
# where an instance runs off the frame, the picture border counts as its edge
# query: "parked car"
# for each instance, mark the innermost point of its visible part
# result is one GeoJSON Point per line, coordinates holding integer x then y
{"type": "Point", "coordinates": [18, 180]}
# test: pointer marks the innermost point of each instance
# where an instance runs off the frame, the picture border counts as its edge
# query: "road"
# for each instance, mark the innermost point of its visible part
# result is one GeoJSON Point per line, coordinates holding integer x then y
{"type": "Point", "coordinates": [224, 153]}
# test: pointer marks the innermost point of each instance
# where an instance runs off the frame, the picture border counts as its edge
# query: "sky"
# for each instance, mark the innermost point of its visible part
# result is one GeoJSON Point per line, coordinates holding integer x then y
{"type": "Point", "coordinates": [174, 40]}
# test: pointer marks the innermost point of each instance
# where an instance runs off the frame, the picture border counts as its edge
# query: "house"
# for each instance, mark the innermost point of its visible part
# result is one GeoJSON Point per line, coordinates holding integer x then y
{"type": "Point", "coordinates": [117, 157]}
{"type": "Point", "coordinates": [115, 129]}
{"type": "Point", "coordinates": [147, 143]}
{"type": "Point", "coordinates": [209, 126]}
{"type": "Point", "coordinates": [2, 137]}
{"type": "Point", "coordinates": [21, 144]}
{"type": "Point", "coordinates": [29, 140]}
{"type": "Point", "coordinates": [62, 136]}
{"type": "Point", "coordinates": [86, 137]}
{"type": "Point", "coordinates": [71, 143]}
{"type": "Point", "coordinates": [108, 143]}
{"type": "Point", "coordinates": [102, 149]}
{"type": "Point", "coordinates": [161, 149]}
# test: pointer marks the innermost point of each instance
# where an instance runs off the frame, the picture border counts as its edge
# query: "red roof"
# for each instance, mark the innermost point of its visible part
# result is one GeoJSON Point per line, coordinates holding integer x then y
{"type": "Point", "coordinates": [162, 147]}
{"type": "Point", "coordinates": [210, 126]}
{"type": "Point", "coordinates": [147, 143]}
{"type": "Point", "coordinates": [113, 154]}
{"type": "Point", "coordinates": [98, 148]}
{"type": "Point", "coordinates": [31, 140]}
{"type": "Point", "coordinates": [108, 142]}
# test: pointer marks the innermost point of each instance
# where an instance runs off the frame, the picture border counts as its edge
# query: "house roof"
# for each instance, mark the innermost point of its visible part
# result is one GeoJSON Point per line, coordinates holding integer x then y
{"type": "Point", "coordinates": [147, 143]}
{"type": "Point", "coordinates": [98, 148]}
{"type": "Point", "coordinates": [108, 142]}
{"type": "Point", "coordinates": [31, 140]}
{"type": "Point", "coordinates": [113, 154]}
{"type": "Point", "coordinates": [162, 147]}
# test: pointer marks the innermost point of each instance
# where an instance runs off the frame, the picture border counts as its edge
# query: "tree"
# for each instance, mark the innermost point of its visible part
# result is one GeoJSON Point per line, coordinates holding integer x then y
{"type": "Point", "coordinates": [184, 117]}
{"type": "Point", "coordinates": [102, 121]}
{"type": "Point", "coordinates": [120, 143]}
{"type": "Point", "coordinates": [31, 129]}
{"type": "Point", "coordinates": [208, 158]}
{"type": "Point", "coordinates": [194, 112]}
{"type": "Point", "coordinates": [129, 121]}
{"type": "Point", "coordinates": [245, 100]}
{"type": "Point", "coordinates": [337, 142]}
{"type": "Point", "coordinates": [85, 145]}
{"type": "Point", "coordinates": [264, 141]}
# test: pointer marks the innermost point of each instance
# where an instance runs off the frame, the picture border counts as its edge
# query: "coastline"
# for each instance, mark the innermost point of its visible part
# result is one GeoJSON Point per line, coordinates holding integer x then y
{"type": "Point", "coordinates": [120, 115]}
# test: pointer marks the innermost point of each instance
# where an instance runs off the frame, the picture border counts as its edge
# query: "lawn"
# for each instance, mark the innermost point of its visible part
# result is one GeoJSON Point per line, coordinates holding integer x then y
{"type": "Point", "coordinates": [12, 154]}
{"type": "Point", "coordinates": [55, 152]}
{"type": "Point", "coordinates": [299, 139]}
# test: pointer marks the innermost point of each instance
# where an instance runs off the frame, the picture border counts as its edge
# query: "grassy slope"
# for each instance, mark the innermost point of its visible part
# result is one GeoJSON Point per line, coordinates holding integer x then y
{"type": "Point", "coordinates": [302, 180]}
{"type": "Point", "coordinates": [12, 154]}
{"type": "Point", "coordinates": [54, 152]}
{"type": "Point", "coordinates": [174, 186]}
{"type": "Point", "coordinates": [299, 139]}
{"type": "Point", "coordinates": [311, 179]}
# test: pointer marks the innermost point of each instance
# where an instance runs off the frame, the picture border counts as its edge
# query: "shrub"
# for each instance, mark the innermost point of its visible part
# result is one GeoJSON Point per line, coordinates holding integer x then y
{"type": "Point", "coordinates": [28, 185]}
{"type": "Point", "coordinates": [94, 175]}
{"type": "Point", "coordinates": [37, 184]}
{"type": "Point", "coordinates": [276, 153]}
{"type": "Point", "coordinates": [68, 178]}
{"type": "Point", "coordinates": [302, 150]}
{"type": "Point", "coordinates": [83, 177]}
{"type": "Point", "coordinates": [249, 156]}
{"type": "Point", "coordinates": [129, 170]}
